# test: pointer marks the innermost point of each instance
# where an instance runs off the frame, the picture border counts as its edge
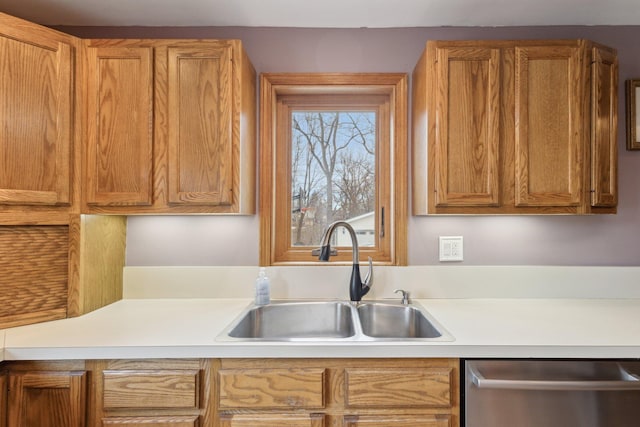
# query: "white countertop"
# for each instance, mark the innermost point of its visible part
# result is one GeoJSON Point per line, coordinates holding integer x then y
{"type": "Point", "coordinates": [496, 327]}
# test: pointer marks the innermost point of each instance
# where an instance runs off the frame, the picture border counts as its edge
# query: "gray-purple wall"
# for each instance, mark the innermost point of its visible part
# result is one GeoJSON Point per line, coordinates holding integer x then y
{"type": "Point", "coordinates": [495, 240]}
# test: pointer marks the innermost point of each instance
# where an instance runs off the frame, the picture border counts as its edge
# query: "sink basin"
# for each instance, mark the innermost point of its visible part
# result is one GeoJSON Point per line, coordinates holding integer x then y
{"type": "Point", "coordinates": [380, 320]}
{"type": "Point", "coordinates": [288, 320]}
{"type": "Point", "coordinates": [296, 320]}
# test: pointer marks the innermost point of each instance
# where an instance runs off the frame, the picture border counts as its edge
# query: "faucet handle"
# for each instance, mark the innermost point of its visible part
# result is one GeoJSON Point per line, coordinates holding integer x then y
{"type": "Point", "coordinates": [368, 279]}
{"type": "Point", "coordinates": [405, 296]}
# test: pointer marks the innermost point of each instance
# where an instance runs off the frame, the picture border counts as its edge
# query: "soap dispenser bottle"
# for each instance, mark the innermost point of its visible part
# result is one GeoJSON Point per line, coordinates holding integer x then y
{"type": "Point", "coordinates": [263, 288]}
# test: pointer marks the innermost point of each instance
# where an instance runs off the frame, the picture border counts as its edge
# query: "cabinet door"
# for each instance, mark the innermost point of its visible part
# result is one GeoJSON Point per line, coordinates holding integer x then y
{"type": "Point", "coordinates": [47, 399]}
{"type": "Point", "coordinates": [36, 87]}
{"type": "Point", "coordinates": [199, 120]}
{"type": "Point", "coordinates": [398, 421]}
{"type": "Point", "coordinates": [119, 152]}
{"type": "Point", "coordinates": [604, 125]}
{"type": "Point", "coordinates": [272, 420]}
{"type": "Point", "coordinates": [549, 118]}
{"type": "Point", "coordinates": [467, 126]}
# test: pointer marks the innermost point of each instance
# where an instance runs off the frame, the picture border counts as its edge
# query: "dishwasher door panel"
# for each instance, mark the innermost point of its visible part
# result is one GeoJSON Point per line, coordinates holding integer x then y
{"type": "Point", "coordinates": [509, 393]}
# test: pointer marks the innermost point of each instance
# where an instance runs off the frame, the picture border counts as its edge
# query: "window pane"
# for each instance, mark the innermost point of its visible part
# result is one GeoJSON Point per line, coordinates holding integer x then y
{"type": "Point", "coordinates": [333, 165]}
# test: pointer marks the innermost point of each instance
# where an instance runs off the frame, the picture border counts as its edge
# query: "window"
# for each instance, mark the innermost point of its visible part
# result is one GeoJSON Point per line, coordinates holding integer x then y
{"type": "Point", "coordinates": [333, 147]}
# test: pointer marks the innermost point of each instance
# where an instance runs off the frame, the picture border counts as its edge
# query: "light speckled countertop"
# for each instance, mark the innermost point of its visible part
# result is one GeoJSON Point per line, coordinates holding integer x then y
{"type": "Point", "coordinates": [170, 328]}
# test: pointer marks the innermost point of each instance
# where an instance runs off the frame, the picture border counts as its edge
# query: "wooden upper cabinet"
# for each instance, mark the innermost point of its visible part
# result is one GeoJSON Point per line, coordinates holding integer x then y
{"type": "Point", "coordinates": [119, 159]}
{"type": "Point", "coordinates": [171, 127]}
{"type": "Point", "coordinates": [507, 127]}
{"type": "Point", "coordinates": [467, 114]}
{"type": "Point", "coordinates": [36, 114]}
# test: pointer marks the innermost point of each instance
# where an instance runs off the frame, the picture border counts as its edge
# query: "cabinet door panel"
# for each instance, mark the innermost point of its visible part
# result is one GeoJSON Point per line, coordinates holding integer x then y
{"type": "Point", "coordinates": [604, 123]}
{"type": "Point", "coordinates": [398, 421]}
{"type": "Point", "coordinates": [467, 127]}
{"type": "Point", "coordinates": [47, 399]}
{"type": "Point", "coordinates": [200, 132]}
{"type": "Point", "coordinates": [549, 126]}
{"type": "Point", "coordinates": [36, 83]}
{"type": "Point", "coordinates": [272, 420]}
{"type": "Point", "coordinates": [120, 136]}
{"type": "Point", "coordinates": [155, 421]}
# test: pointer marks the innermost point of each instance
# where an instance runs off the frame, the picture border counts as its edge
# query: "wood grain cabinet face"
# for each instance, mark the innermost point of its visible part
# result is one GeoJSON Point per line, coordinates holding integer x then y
{"type": "Point", "coordinates": [273, 420]}
{"type": "Point", "coordinates": [272, 388]}
{"type": "Point", "coordinates": [398, 421]}
{"type": "Point", "coordinates": [151, 393]}
{"type": "Point", "coordinates": [549, 142]}
{"type": "Point", "coordinates": [47, 399]}
{"type": "Point", "coordinates": [119, 159]}
{"type": "Point", "coordinates": [398, 387]}
{"type": "Point", "coordinates": [171, 127]}
{"type": "Point", "coordinates": [34, 261]}
{"type": "Point", "coordinates": [468, 108]}
{"type": "Point", "coordinates": [154, 421]}
{"type": "Point", "coordinates": [520, 126]}
{"type": "Point", "coordinates": [36, 108]}
{"type": "Point", "coordinates": [338, 392]}
{"type": "Point", "coordinates": [199, 120]}
{"type": "Point", "coordinates": [3, 398]}
{"type": "Point", "coordinates": [151, 389]}
{"type": "Point", "coordinates": [604, 122]}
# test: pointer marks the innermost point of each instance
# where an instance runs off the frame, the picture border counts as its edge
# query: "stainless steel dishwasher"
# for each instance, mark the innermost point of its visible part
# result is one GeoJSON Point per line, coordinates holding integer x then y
{"type": "Point", "coordinates": [532, 393]}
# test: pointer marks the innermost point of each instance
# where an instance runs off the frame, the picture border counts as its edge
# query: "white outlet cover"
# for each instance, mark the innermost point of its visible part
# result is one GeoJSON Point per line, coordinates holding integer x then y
{"type": "Point", "coordinates": [451, 248]}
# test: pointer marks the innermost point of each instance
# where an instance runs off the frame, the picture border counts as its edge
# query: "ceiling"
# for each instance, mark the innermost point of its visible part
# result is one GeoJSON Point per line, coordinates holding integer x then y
{"type": "Point", "coordinates": [326, 13]}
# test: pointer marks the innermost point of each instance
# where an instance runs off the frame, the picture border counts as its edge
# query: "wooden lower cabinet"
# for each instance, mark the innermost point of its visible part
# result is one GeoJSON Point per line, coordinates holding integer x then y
{"type": "Point", "coordinates": [231, 393]}
{"type": "Point", "coordinates": [46, 395]}
{"type": "Point", "coordinates": [338, 393]}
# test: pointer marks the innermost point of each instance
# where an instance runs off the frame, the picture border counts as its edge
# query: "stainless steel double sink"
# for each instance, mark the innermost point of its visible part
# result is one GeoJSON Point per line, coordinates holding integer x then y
{"type": "Point", "coordinates": [334, 321]}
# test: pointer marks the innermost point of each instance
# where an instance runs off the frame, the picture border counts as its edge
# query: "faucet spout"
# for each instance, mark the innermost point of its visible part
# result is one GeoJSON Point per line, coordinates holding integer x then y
{"type": "Point", "coordinates": [357, 287]}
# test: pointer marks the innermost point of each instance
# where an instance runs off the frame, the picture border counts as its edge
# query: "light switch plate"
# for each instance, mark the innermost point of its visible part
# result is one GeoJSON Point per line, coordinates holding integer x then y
{"type": "Point", "coordinates": [451, 248]}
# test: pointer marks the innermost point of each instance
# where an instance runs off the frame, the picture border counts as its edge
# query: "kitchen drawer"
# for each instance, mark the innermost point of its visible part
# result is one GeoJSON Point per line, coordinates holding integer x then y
{"type": "Point", "coordinates": [156, 421]}
{"type": "Point", "coordinates": [398, 387]}
{"type": "Point", "coordinates": [151, 389]}
{"type": "Point", "coordinates": [273, 420]}
{"type": "Point", "coordinates": [272, 388]}
{"type": "Point", "coordinates": [397, 421]}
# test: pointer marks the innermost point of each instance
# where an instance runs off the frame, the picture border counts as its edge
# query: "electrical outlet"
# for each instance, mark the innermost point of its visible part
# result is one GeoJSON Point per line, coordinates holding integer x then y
{"type": "Point", "coordinates": [451, 248]}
